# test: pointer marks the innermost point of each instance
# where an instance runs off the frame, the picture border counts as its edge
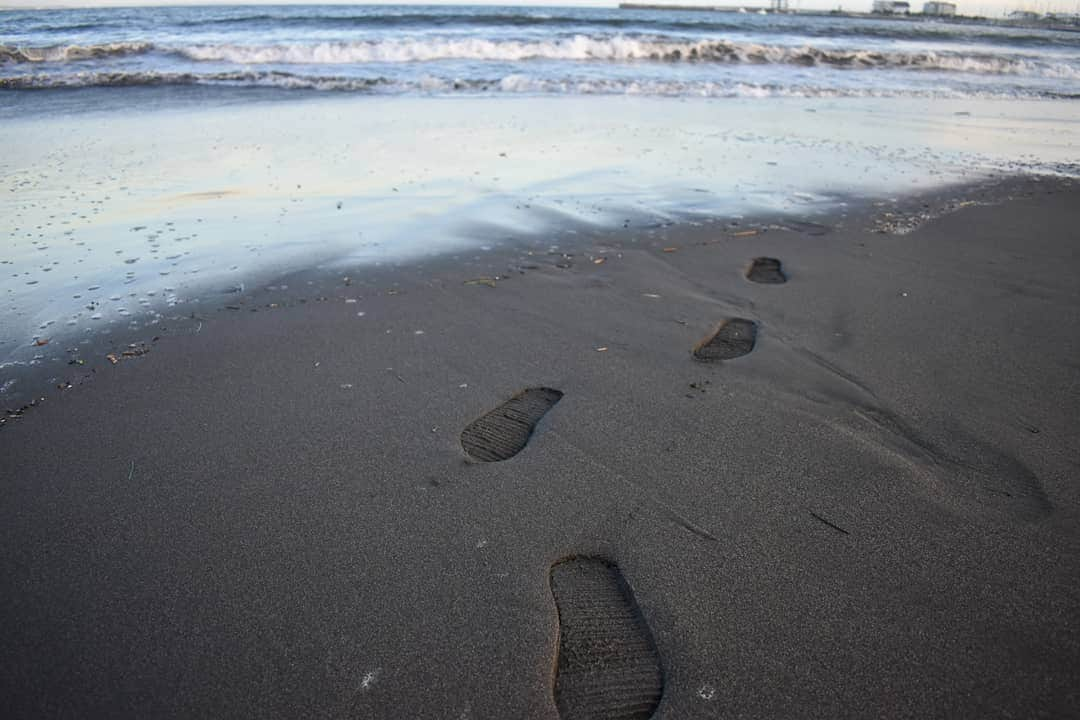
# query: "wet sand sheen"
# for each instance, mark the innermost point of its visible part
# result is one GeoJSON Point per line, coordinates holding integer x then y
{"type": "Point", "coordinates": [109, 227]}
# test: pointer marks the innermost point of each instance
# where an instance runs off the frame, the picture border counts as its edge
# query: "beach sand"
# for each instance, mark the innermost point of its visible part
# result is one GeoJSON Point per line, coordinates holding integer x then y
{"type": "Point", "coordinates": [873, 512]}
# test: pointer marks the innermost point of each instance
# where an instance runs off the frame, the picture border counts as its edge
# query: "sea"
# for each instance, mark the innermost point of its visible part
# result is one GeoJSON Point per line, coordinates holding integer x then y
{"type": "Point", "coordinates": [490, 50]}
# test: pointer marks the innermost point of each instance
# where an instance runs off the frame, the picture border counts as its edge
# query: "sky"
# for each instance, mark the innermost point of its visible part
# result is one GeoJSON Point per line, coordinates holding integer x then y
{"type": "Point", "coordinates": [989, 8]}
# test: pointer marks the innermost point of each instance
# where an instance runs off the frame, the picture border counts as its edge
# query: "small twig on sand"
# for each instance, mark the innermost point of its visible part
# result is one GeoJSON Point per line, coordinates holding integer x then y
{"type": "Point", "coordinates": [833, 526]}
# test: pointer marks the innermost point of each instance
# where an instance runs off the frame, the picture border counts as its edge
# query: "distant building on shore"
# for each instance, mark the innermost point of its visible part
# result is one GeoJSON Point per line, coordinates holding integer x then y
{"type": "Point", "coordinates": [1023, 15]}
{"type": "Point", "coordinates": [891, 7]}
{"type": "Point", "coordinates": [941, 9]}
{"type": "Point", "coordinates": [1065, 18]}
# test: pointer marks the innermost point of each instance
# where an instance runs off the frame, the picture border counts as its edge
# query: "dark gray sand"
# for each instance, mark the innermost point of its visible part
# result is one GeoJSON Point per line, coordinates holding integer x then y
{"type": "Point", "coordinates": [873, 514]}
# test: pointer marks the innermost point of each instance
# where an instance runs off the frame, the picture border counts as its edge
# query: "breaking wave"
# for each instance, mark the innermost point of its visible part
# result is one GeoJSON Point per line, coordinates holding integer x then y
{"type": "Point", "coordinates": [552, 18]}
{"type": "Point", "coordinates": [581, 48]}
{"type": "Point", "coordinates": [510, 84]}
{"type": "Point", "coordinates": [71, 53]}
{"type": "Point", "coordinates": [621, 49]}
{"type": "Point", "coordinates": [151, 78]}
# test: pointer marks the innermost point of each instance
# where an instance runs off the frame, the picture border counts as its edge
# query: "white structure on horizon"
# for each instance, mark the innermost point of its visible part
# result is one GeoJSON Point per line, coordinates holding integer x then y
{"type": "Point", "coordinates": [1068, 18]}
{"type": "Point", "coordinates": [943, 9]}
{"type": "Point", "coordinates": [892, 7]}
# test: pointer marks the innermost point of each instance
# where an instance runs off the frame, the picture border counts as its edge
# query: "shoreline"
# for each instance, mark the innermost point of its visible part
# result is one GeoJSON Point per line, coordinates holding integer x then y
{"type": "Point", "coordinates": [153, 232]}
{"type": "Point", "coordinates": [67, 363]}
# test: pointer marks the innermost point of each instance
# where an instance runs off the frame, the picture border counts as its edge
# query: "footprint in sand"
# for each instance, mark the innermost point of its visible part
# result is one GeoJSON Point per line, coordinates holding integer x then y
{"type": "Point", "coordinates": [733, 338]}
{"type": "Point", "coordinates": [767, 271]}
{"type": "Point", "coordinates": [608, 666]}
{"type": "Point", "coordinates": [504, 432]}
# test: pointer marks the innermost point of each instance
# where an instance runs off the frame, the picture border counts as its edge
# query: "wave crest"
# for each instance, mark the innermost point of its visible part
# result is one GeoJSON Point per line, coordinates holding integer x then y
{"type": "Point", "coordinates": [509, 84]}
{"type": "Point", "coordinates": [70, 53]}
{"type": "Point", "coordinates": [619, 49]}
{"type": "Point", "coordinates": [152, 78]}
{"type": "Point", "coordinates": [579, 48]}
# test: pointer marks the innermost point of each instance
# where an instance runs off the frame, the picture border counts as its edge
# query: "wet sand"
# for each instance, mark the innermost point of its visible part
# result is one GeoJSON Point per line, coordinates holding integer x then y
{"type": "Point", "coordinates": [873, 512]}
{"type": "Point", "coordinates": [109, 227]}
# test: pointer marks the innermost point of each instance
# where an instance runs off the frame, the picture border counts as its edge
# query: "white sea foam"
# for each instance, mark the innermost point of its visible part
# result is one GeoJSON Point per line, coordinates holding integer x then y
{"type": "Point", "coordinates": [513, 84]}
{"type": "Point", "coordinates": [622, 49]}
{"type": "Point", "coordinates": [70, 53]}
{"type": "Point", "coordinates": [576, 48]}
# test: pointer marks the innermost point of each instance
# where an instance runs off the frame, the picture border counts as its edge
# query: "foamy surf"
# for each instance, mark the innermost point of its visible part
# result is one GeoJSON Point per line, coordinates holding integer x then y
{"type": "Point", "coordinates": [576, 48]}
{"type": "Point", "coordinates": [513, 84]}
{"type": "Point", "coordinates": [70, 53]}
{"type": "Point", "coordinates": [555, 51]}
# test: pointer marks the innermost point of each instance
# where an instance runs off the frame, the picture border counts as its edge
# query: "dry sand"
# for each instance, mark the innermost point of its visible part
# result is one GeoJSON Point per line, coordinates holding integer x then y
{"type": "Point", "coordinates": [872, 513]}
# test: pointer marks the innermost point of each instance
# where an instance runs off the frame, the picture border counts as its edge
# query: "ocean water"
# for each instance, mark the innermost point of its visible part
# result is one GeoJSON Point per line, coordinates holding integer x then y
{"type": "Point", "coordinates": [156, 159]}
{"type": "Point", "coordinates": [497, 50]}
